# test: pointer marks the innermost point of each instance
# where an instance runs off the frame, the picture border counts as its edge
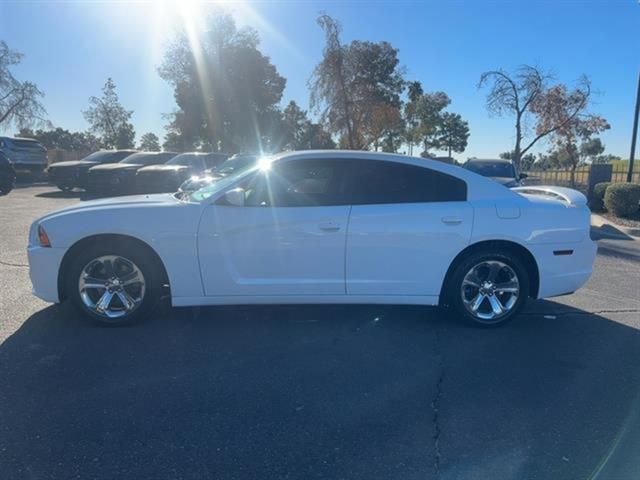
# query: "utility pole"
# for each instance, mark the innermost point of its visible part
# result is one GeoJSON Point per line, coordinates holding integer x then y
{"type": "Point", "coordinates": [634, 134]}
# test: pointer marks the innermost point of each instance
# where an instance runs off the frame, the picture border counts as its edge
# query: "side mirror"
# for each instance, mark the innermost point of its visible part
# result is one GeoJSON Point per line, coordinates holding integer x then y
{"type": "Point", "coordinates": [235, 197]}
{"type": "Point", "coordinates": [523, 176]}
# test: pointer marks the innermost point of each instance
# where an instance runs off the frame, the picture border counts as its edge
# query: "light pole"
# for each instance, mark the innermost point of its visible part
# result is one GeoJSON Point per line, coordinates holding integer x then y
{"type": "Point", "coordinates": [634, 134]}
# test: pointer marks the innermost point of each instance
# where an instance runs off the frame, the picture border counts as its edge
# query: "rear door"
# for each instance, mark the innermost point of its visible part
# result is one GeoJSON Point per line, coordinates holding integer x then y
{"type": "Point", "coordinates": [407, 224]}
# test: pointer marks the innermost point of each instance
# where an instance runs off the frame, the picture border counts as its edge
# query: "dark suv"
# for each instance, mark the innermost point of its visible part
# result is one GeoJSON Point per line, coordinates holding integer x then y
{"type": "Point", "coordinates": [68, 175]}
{"type": "Point", "coordinates": [7, 175]}
{"type": "Point", "coordinates": [500, 170]}
{"type": "Point", "coordinates": [169, 176]}
{"type": "Point", "coordinates": [120, 178]}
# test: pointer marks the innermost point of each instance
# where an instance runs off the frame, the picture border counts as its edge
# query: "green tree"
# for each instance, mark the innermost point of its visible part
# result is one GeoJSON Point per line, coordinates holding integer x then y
{"type": "Point", "coordinates": [294, 124]}
{"type": "Point", "coordinates": [591, 148]}
{"type": "Point", "coordinates": [149, 142]}
{"type": "Point", "coordinates": [452, 133]}
{"type": "Point", "coordinates": [63, 139]}
{"type": "Point", "coordinates": [429, 109]}
{"type": "Point", "coordinates": [225, 88]}
{"type": "Point", "coordinates": [109, 119]}
{"type": "Point", "coordinates": [353, 84]}
{"type": "Point", "coordinates": [20, 102]}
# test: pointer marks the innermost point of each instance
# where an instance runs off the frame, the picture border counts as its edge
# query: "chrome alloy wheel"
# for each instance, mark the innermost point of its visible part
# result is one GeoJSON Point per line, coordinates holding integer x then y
{"type": "Point", "coordinates": [490, 290]}
{"type": "Point", "coordinates": [111, 286]}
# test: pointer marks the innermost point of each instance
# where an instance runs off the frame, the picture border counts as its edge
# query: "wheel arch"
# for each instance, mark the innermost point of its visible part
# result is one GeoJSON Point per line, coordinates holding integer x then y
{"type": "Point", "coordinates": [503, 245]}
{"type": "Point", "coordinates": [117, 240]}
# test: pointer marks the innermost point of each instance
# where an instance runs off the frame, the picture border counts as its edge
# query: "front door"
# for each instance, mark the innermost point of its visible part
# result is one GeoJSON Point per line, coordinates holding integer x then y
{"type": "Point", "coordinates": [288, 238]}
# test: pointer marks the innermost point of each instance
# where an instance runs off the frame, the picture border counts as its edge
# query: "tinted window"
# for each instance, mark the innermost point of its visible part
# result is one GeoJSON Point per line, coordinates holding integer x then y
{"type": "Point", "coordinates": [108, 156]}
{"type": "Point", "coordinates": [148, 158]}
{"type": "Point", "coordinates": [492, 169]}
{"type": "Point", "coordinates": [213, 159]}
{"type": "Point", "coordinates": [303, 183]}
{"type": "Point", "coordinates": [234, 164]}
{"type": "Point", "coordinates": [376, 182]}
{"type": "Point", "coordinates": [188, 159]}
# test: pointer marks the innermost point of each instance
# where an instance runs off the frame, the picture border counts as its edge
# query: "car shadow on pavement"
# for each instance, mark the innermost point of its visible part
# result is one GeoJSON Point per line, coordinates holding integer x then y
{"type": "Point", "coordinates": [328, 391]}
{"type": "Point", "coordinates": [61, 194]}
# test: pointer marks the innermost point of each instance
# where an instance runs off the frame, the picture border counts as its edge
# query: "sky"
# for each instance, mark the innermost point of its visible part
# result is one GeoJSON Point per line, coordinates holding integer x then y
{"type": "Point", "coordinates": [71, 47]}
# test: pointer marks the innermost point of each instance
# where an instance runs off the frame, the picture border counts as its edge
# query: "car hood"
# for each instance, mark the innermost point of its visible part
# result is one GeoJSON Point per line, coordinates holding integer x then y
{"type": "Point", "coordinates": [73, 163]}
{"type": "Point", "coordinates": [164, 168]}
{"type": "Point", "coordinates": [117, 167]}
{"type": "Point", "coordinates": [116, 202]}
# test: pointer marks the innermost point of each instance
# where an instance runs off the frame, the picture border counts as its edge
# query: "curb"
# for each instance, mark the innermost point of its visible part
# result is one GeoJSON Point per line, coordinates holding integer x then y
{"type": "Point", "coordinates": [606, 227]}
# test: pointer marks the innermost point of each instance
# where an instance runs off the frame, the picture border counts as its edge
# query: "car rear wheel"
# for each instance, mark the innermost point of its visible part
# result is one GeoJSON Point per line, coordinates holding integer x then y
{"type": "Point", "coordinates": [113, 286]}
{"type": "Point", "coordinates": [488, 289]}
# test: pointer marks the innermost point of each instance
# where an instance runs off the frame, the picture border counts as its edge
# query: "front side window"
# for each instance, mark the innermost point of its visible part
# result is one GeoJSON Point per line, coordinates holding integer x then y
{"type": "Point", "coordinates": [302, 183]}
{"type": "Point", "coordinates": [379, 182]}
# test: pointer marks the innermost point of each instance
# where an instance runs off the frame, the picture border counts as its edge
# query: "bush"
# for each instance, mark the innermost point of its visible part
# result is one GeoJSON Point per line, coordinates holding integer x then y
{"type": "Point", "coordinates": [622, 199]}
{"type": "Point", "coordinates": [597, 196]}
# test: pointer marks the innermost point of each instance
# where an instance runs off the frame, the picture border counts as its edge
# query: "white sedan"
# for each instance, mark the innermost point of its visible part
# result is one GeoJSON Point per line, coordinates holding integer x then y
{"type": "Point", "coordinates": [320, 227]}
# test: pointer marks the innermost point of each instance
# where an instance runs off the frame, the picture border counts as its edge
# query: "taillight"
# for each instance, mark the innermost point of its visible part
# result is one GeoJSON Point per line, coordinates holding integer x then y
{"type": "Point", "coordinates": [43, 238]}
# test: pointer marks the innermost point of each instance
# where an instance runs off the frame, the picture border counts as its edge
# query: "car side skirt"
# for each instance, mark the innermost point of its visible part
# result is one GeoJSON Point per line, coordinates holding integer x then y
{"type": "Point", "coordinates": [305, 299]}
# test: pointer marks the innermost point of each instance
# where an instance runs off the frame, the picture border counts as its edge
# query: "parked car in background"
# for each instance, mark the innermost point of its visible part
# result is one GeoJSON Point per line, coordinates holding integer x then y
{"type": "Point", "coordinates": [169, 176]}
{"type": "Point", "coordinates": [501, 170]}
{"type": "Point", "coordinates": [72, 174]}
{"type": "Point", "coordinates": [233, 164]}
{"type": "Point", "coordinates": [25, 154]}
{"type": "Point", "coordinates": [120, 178]}
{"type": "Point", "coordinates": [366, 228]}
{"type": "Point", "coordinates": [7, 175]}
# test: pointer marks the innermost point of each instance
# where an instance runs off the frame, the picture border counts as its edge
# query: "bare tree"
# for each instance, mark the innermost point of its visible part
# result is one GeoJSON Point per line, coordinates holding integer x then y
{"type": "Point", "coordinates": [328, 84]}
{"type": "Point", "coordinates": [524, 93]}
{"type": "Point", "coordinates": [562, 113]}
{"type": "Point", "coordinates": [20, 102]}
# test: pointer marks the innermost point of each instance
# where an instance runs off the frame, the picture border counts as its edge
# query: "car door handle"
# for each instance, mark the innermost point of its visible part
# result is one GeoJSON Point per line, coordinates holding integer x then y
{"type": "Point", "coordinates": [451, 220]}
{"type": "Point", "coordinates": [329, 227]}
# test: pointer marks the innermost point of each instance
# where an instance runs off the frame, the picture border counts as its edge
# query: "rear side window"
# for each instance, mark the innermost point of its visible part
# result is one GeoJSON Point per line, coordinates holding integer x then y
{"type": "Point", "coordinates": [378, 182]}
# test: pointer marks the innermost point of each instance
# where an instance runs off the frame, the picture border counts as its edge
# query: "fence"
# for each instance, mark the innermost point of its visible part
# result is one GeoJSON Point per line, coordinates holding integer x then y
{"type": "Point", "coordinates": [562, 177]}
{"type": "Point", "coordinates": [58, 155]}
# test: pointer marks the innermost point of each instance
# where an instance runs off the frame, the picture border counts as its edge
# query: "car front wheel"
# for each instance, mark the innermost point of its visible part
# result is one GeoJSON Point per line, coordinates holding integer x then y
{"type": "Point", "coordinates": [489, 288]}
{"type": "Point", "coordinates": [113, 287]}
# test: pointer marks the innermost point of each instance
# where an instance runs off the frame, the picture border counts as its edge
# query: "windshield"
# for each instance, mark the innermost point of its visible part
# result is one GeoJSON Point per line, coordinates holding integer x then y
{"type": "Point", "coordinates": [104, 156]}
{"type": "Point", "coordinates": [188, 159]}
{"type": "Point", "coordinates": [233, 164]}
{"type": "Point", "coordinates": [147, 158]}
{"type": "Point", "coordinates": [492, 169]}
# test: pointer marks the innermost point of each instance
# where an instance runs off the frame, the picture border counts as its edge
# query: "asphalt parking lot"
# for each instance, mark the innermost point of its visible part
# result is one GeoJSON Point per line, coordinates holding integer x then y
{"type": "Point", "coordinates": [332, 392]}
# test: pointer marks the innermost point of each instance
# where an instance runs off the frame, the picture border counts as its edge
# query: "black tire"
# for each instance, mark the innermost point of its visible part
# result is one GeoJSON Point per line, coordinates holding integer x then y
{"type": "Point", "coordinates": [145, 262]}
{"type": "Point", "coordinates": [65, 188]}
{"type": "Point", "coordinates": [481, 261]}
{"type": "Point", "coordinates": [5, 187]}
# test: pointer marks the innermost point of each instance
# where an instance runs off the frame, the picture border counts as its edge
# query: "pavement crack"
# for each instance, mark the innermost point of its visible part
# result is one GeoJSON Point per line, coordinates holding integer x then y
{"type": "Point", "coordinates": [435, 406]}
{"type": "Point", "coordinates": [11, 264]}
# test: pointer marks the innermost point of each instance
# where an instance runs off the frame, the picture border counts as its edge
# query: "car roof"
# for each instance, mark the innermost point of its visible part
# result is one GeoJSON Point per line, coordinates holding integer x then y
{"type": "Point", "coordinates": [26, 139]}
{"type": "Point", "coordinates": [480, 187]}
{"type": "Point", "coordinates": [489, 160]}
